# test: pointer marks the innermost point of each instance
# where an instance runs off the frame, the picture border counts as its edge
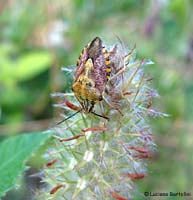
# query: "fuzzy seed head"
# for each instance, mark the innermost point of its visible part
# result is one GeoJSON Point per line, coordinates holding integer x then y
{"type": "Point", "coordinates": [88, 156]}
{"type": "Point", "coordinates": [102, 162]}
{"type": "Point", "coordinates": [81, 184]}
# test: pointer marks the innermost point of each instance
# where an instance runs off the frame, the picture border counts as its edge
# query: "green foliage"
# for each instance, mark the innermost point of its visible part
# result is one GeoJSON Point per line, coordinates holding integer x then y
{"type": "Point", "coordinates": [32, 64]}
{"type": "Point", "coordinates": [14, 152]}
{"type": "Point", "coordinates": [22, 64]}
{"type": "Point", "coordinates": [188, 101]}
{"type": "Point", "coordinates": [14, 73]}
{"type": "Point", "coordinates": [25, 67]}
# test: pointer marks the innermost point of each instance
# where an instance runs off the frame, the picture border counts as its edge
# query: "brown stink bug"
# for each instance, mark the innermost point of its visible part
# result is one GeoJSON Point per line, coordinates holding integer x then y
{"type": "Point", "coordinates": [91, 76]}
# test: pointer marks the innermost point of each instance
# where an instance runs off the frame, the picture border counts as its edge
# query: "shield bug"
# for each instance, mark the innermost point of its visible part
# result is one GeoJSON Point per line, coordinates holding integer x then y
{"type": "Point", "coordinates": [92, 74]}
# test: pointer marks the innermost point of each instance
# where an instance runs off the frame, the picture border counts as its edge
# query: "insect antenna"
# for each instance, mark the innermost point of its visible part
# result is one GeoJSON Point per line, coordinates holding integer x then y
{"type": "Point", "coordinates": [69, 117]}
{"type": "Point", "coordinates": [99, 115]}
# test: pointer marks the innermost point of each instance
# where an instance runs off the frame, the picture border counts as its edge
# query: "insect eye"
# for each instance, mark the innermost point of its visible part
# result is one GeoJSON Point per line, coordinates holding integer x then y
{"type": "Point", "coordinates": [89, 84]}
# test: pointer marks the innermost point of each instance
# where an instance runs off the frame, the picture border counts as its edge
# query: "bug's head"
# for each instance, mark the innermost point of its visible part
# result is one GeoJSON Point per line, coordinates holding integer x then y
{"type": "Point", "coordinates": [85, 89]}
{"type": "Point", "coordinates": [86, 93]}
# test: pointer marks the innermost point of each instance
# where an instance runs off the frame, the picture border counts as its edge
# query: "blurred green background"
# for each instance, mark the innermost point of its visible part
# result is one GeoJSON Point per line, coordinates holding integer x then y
{"type": "Point", "coordinates": [37, 38]}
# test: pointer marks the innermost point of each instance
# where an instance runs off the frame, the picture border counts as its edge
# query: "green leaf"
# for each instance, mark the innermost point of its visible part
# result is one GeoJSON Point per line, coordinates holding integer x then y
{"type": "Point", "coordinates": [14, 152]}
{"type": "Point", "coordinates": [32, 64]}
{"type": "Point", "coordinates": [25, 67]}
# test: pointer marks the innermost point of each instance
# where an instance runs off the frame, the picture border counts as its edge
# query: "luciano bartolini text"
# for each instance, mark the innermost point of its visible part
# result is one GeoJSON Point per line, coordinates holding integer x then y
{"type": "Point", "coordinates": [169, 194]}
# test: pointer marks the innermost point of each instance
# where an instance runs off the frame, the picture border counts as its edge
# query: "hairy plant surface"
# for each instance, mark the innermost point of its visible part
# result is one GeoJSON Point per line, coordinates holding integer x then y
{"type": "Point", "coordinates": [95, 158]}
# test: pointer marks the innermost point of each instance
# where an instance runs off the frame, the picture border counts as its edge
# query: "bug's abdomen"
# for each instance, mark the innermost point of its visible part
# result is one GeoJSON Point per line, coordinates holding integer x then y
{"type": "Point", "coordinates": [107, 63]}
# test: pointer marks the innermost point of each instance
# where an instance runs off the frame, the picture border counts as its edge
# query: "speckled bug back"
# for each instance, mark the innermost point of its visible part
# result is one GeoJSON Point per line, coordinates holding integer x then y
{"type": "Point", "coordinates": [92, 73]}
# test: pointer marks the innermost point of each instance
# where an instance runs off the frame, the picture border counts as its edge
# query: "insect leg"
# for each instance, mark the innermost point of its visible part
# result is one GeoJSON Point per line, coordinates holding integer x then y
{"type": "Point", "coordinates": [92, 106]}
{"type": "Point", "coordinates": [99, 115]}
